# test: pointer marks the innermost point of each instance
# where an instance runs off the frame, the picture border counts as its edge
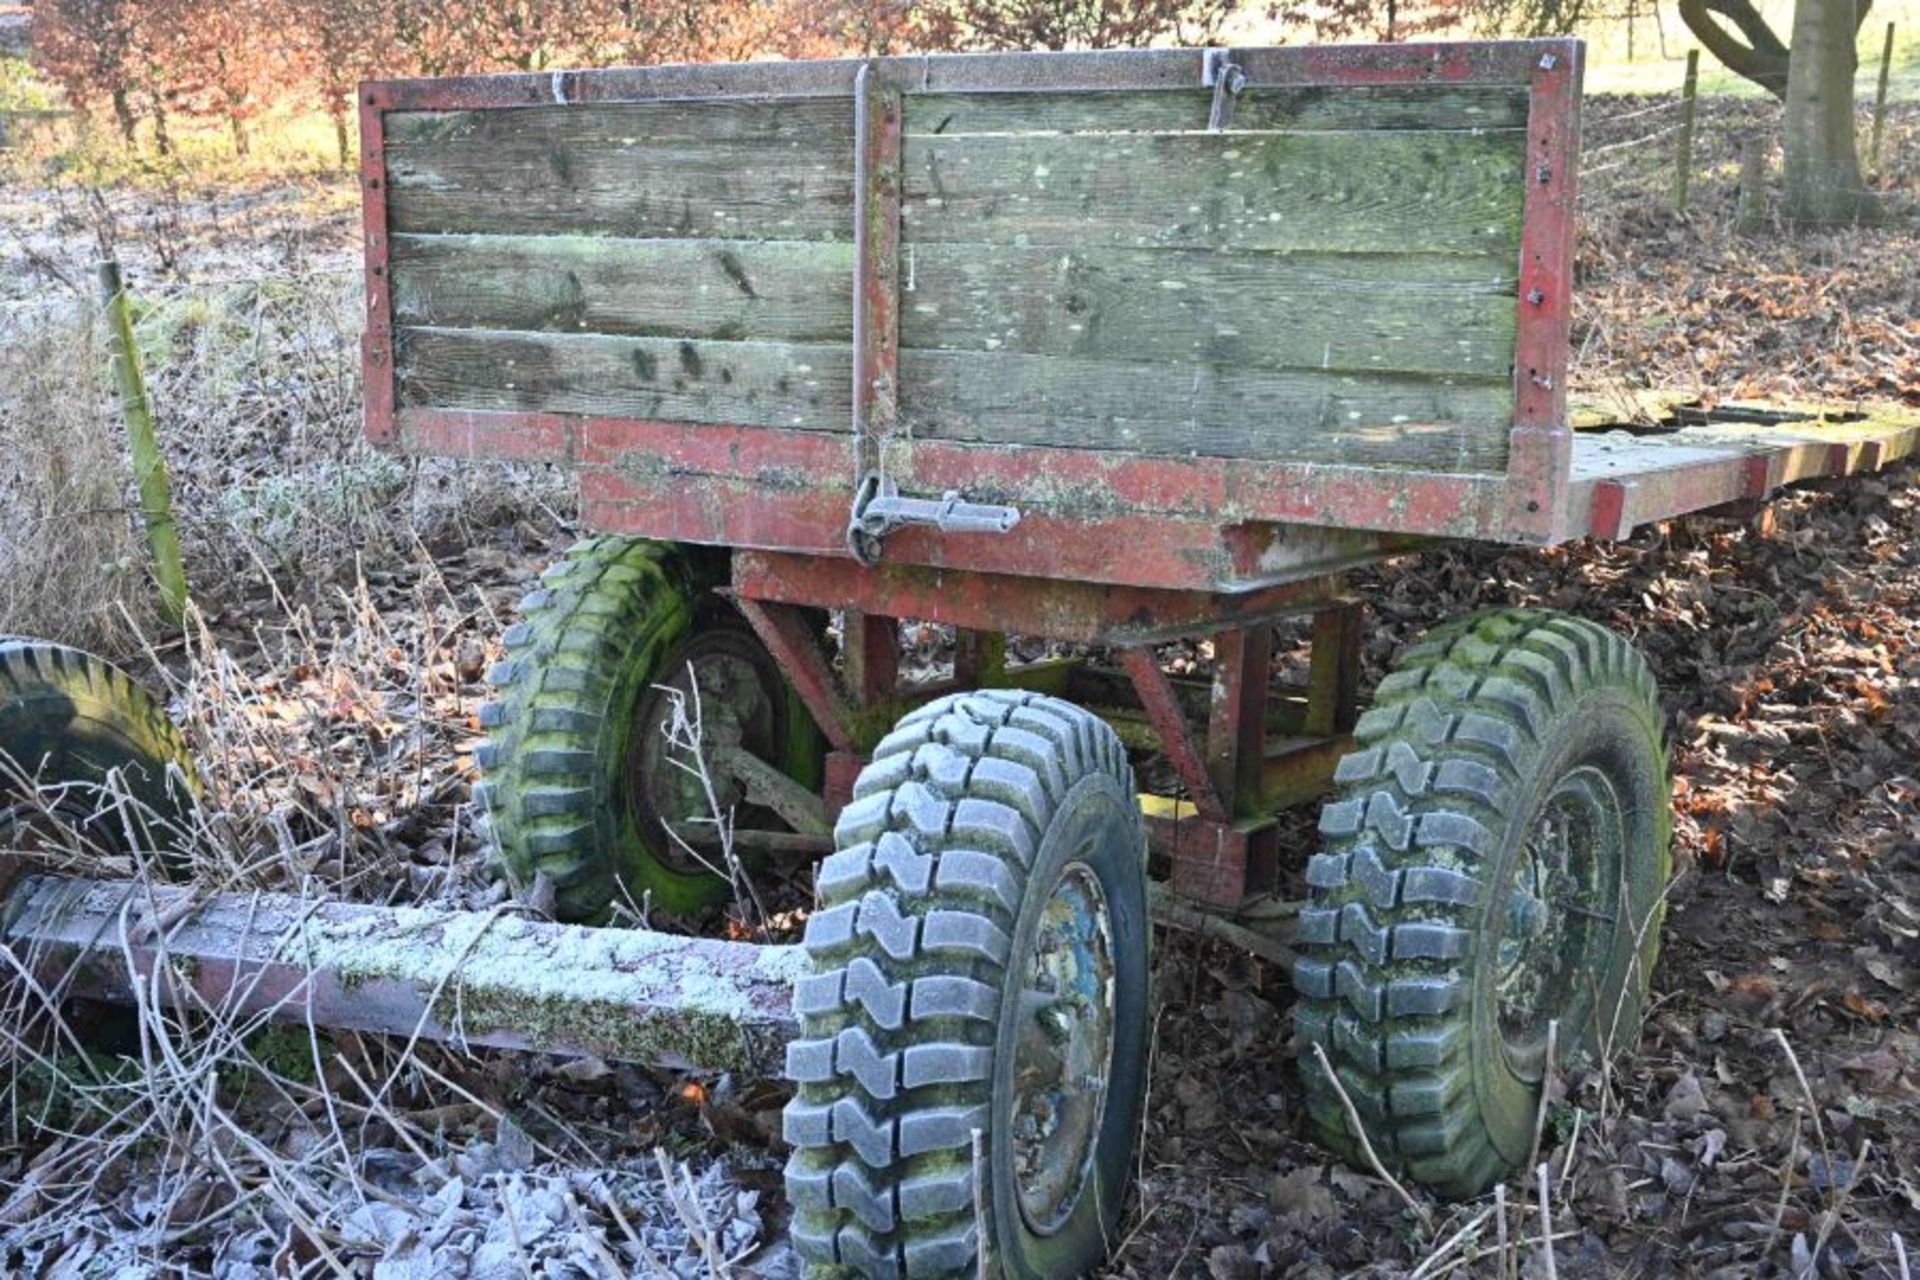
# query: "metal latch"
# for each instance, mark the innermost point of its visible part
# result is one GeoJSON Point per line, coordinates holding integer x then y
{"type": "Point", "coordinates": [1224, 76]}
{"type": "Point", "coordinates": [878, 509]}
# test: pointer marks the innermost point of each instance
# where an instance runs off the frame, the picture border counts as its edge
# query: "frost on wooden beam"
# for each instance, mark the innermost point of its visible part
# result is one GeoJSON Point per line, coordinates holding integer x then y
{"type": "Point", "coordinates": [474, 978]}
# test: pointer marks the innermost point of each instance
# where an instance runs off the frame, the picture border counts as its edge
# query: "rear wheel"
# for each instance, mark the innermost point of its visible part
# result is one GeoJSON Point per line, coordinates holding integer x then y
{"type": "Point", "coordinates": [1495, 868]}
{"type": "Point", "coordinates": [577, 779]}
{"type": "Point", "coordinates": [84, 744]}
{"type": "Point", "coordinates": [973, 1038]}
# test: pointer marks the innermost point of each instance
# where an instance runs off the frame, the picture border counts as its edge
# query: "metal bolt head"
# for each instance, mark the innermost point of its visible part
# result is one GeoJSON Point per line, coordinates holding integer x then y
{"type": "Point", "coordinates": [1536, 297]}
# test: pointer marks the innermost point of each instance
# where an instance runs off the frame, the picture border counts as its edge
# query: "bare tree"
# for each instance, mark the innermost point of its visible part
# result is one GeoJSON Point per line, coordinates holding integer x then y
{"type": "Point", "coordinates": [1814, 77]}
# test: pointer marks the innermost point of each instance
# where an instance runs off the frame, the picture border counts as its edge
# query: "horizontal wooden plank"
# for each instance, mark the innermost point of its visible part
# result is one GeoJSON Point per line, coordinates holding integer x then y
{"type": "Point", "coordinates": [1152, 111]}
{"type": "Point", "coordinates": [1206, 411]}
{"type": "Point", "coordinates": [1329, 192]}
{"type": "Point", "coordinates": [814, 122]}
{"type": "Point", "coordinates": [1352, 312]}
{"type": "Point", "coordinates": [661, 379]}
{"type": "Point", "coordinates": [593, 170]}
{"type": "Point", "coordinates": [720, 290]}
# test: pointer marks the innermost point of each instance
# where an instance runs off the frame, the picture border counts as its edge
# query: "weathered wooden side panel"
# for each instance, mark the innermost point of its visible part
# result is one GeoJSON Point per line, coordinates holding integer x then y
{"type": "Point", "coordinates": [1331, 278]}
{"type": "Point", "coordinates": [1205, 410]}
{"type": "Point", "coordinates": [746, 171]}
{"type": "Point", "coordinates": [763, 384]}
{"type": "Point", "coordinates": [704, 290]}
{"type": "Point", "coordinates": [1372, 107]}
{"type": "Point", "coordinates": [1389, 191]}
{"type": "Point", "coordinates": [679, 260]}
{"type": "Point", "coordinates": [1315, 307]}
{"type": "Point", "coordinates": [1350, 313]}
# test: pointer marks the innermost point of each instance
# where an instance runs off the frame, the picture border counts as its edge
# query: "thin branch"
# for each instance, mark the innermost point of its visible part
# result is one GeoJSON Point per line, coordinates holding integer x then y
{"type": "Point", "coordinates": [1359, 1132]}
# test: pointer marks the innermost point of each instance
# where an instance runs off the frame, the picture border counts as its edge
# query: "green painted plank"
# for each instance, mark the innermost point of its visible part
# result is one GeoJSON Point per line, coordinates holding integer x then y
{"type": "Point", "coordinates": [1149, 111]}
{"type": "Point", "coordinates": [1201, 410]}
{"type": "Point", "coordinates": [811, 122]}
{"type": "Point", "coordinates": [745, 188]}
{"type": "Point", "coordinates": [1358, 312]}
{"type": "Point", "coordinates": [725, 290]}
{"type": "Point", "coordinates": [659, 379]}
{"type": "Point", "coordinates": [1332, 192]}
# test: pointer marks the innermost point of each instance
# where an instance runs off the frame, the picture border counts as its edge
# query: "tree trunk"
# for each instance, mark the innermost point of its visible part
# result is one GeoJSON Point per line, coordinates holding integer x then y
{"type": "Point", "coordinates": [162, 140]}
{"type": "Point", "coordinates": [1823, 182]}
{"type": "Point", "coordinates": [338, 110]}
{"type": "Point", "coordinates": [123, 115]}
{"type": "Point", "coordinates": [236, 121]}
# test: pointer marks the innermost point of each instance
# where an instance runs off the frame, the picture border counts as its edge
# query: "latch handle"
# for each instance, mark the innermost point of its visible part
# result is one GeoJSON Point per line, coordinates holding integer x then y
{"type": "Point", "coordinates": [878, 510]}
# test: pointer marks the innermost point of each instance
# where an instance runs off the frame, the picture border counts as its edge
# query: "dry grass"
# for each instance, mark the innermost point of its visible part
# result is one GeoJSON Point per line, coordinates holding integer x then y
{"type": "Point", "coordinates": [256, 385]}
{"type": "Point", "coordinates": [333, 765]}
{"type": "Point", "coordinates": [69, 559]}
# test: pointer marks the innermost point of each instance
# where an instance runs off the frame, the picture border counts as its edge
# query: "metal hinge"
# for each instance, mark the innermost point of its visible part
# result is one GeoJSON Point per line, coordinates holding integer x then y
{"type": "Point", "coordinates": [1225, 77]}
{"type": "Point", "coordinates": [878, 509]}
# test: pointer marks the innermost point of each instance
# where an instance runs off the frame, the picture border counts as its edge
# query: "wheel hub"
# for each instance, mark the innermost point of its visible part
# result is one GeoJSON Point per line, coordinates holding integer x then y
{"type": "Point", "coordinates": [735, 709]}
{"type": "Point", "coordinates": [1064, 1052]}
{"type": "Point", "coordinates": [1549, 931]}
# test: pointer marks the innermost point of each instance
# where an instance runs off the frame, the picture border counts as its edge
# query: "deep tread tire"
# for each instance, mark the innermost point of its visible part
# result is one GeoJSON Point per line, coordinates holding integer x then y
{"type": "Point", "coordinates": [591, 643]}
{"type": "Point", "coordinates": [69, 717]}
{"type": "Point", "coordinates": [970, 803]}
{"type": "Point", "coordinates": [1396, 967]}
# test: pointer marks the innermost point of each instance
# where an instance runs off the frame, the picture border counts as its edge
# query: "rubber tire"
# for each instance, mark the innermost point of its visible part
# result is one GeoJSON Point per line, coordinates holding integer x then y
{"type": "Point", "coordinates": [971, 800]}
{"type": "Point", "coordinates": [592, 641]}
{"type": "Point", "coordinates": [69, 717]}
{"type": "Point", "coordinates": [1395, 969]}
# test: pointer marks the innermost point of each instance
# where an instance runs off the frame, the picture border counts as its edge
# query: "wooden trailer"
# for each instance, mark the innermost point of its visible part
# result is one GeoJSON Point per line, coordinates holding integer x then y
{"type": "Point", "coordinates": [1114, 349]}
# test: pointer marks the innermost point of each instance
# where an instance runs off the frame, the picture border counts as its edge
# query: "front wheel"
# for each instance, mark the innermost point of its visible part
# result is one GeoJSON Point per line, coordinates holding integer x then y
{"type": "Point", "coordinates": [579, 780]}
{"type": "Point", "coordinates": [973, 1037]}
{"type": "Point", "coordinates": [1494, 875]}
{"type": "Point", "coordinates": [82, 744]}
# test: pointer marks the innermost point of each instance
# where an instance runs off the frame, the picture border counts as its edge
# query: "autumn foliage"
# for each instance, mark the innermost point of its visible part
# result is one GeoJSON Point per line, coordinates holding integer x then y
{"type": "Point", "coordinates": [147, 62]}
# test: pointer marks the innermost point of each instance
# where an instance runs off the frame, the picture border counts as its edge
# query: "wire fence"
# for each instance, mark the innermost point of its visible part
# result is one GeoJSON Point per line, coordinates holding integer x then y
{"type": "Point", "coordinates": [1660, 149]}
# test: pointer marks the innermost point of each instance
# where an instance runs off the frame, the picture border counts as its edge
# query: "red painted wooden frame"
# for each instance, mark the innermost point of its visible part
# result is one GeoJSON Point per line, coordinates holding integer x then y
{"type": "Point", "coordinates": [1192, 523]}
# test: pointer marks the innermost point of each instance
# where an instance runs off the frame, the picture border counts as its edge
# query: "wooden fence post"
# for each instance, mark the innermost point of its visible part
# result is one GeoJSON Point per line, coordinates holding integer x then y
{"type": "Point", "coordinates": [149, 468]}
{"type": "Point", "coordinates": [1752, 211]}
{"type": "Point", "coordinates": [1880, 103]}
{"type": "Point", "coordinates": [1689, 90]}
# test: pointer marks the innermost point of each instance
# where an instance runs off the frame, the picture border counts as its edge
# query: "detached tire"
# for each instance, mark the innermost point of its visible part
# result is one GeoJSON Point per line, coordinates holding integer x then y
{"type": "Point", "coordinates": [979, 965]}
{"type": "Point", "coordinates": [575, 779]}
{"type": "Point", "coordinates": [70, 724]}
{"type": "Point", "coordinates": [1496, 860]}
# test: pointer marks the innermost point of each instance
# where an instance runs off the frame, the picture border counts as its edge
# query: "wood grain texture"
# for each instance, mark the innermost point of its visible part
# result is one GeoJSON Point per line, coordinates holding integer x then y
{"type": "Point", "coordinates": [814, 122]}
{"type": "Point", "coordinates": [640, 170]}
{"type": "Point", "coordinates": [1331, 192]}
{"type": "Point", "coordinates": [1205, 411]}
{"type": "Point", "coordinates": [656, 379]}
{"type": "Point", "coordinates": [717, 290]}
{"type": "Point", "coordinates": [1350, 312]}
{"type": "Point", "coordinates": [1185, 110]}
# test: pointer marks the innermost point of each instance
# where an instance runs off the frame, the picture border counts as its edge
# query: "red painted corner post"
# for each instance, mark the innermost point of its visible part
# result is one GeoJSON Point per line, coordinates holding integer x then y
{"type": "Point", "coordinates": [1540, 451]}
{"type": "Point", "coordinates": [376, 344]}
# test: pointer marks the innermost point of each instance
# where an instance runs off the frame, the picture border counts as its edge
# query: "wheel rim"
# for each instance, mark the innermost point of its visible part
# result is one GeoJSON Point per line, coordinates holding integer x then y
{"type": "Point", "coordinates": [1064, 1054]}
{"type": "Point", "coordinates": [738, 707]}
{"type": "Point", "coordinates": [1552, 927]}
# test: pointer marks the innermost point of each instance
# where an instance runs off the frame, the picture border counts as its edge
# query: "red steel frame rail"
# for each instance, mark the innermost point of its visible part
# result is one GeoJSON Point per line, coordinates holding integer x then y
{"type": "Point", "coordinates": [1237, 774]}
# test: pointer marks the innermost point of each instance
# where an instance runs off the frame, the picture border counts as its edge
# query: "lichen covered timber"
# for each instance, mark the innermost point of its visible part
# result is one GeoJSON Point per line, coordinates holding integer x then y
{"type": "Point", "coordinates": [465, 977]}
